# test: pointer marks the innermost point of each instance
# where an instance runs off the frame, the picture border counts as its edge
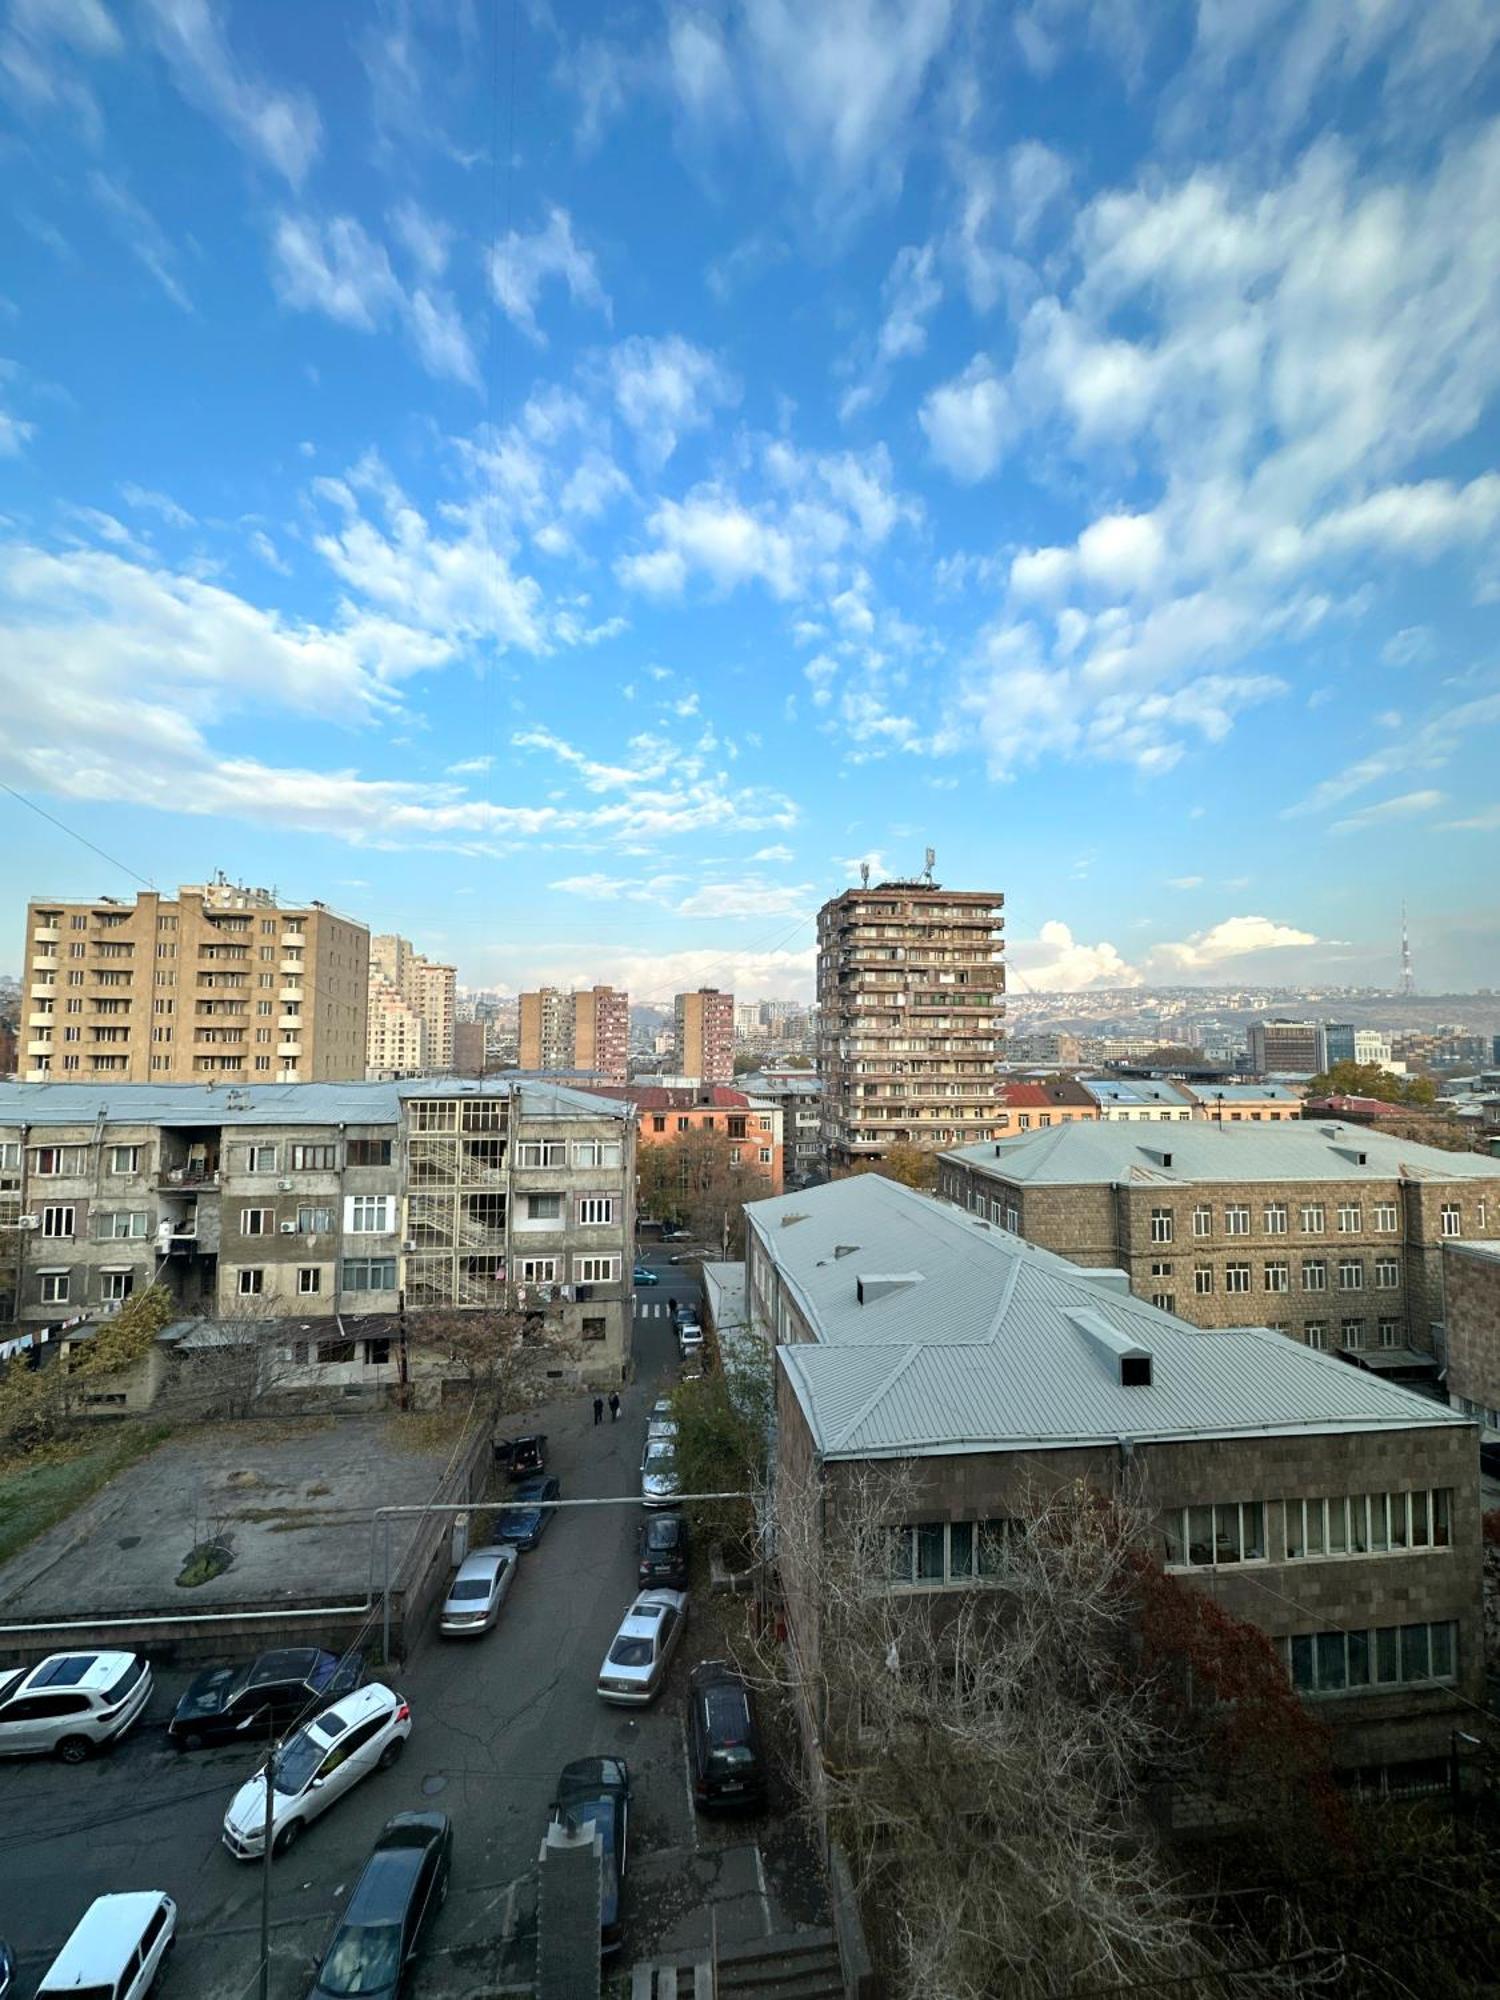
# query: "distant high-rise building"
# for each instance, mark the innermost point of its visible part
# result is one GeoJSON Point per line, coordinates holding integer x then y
{"type": "Point", "coordinates": [1343, 1042]}
{"type": "Point", "coordinates": [911, 992]}
{"type": "Point", "coordinates": [703, 1035]}
{"type": "Point", "coordinates": [1298, 1047]}
{"type": "Point", "coordinates": [587, 1030]}
{"type": "Point", "coordinates": [468, 1048]}
{"type": "Point", "coordinates": [412, 1008]}
{"type": "Point", "coordinates": [219, 983]}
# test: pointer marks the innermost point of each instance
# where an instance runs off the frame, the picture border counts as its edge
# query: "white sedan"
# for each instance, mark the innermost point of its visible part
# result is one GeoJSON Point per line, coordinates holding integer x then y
{"type": "Point", "coordinates": [317, 1764]}
{"type": "Point", "coordinates": [480, 1585]}
{"type": "Point", "coordinates": [636, 1664]}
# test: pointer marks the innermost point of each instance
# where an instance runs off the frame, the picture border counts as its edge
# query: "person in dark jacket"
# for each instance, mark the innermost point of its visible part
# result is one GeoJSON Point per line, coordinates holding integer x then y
{"type": "Point", "coordinates": [614, 1405]}
{"type": "Point", "coordinates": [598, 1409]}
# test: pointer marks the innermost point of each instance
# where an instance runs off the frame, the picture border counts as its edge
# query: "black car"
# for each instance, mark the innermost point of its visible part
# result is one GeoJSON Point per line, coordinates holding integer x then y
{"type": "Point", "coordinates": [402, 1888]}
{"type": "Point", "coordinates": [729, 1767]}
{"type": "Point", "coordinates": [664, 1552]}
{"type": "Point", "coordinates": [523, 1458]}
{"type": "Point", "coordinates": [525, 1520]}
{"type": "Point", "coordinates": [595, 1791]}
{"type": "Point", "coordinates": [230, 1704]}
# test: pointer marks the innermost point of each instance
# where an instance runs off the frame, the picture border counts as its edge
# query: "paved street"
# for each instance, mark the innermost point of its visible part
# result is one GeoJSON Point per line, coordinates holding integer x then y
{"type": "Point", "coordinates": [494, 1721]}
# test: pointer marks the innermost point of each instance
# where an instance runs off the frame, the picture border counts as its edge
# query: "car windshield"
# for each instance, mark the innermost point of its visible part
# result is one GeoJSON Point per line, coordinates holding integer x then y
{"type": "Point", "coordinates": [301, 1757]}
{"type": "Point", "coordinates": [118, 1689]}
{"type": "Point", "coordinates": [627, 1652]}
{"type": "Point", "coordinates": [662, 1535]}
{"type": "Point", "coordinates": [469, 1587]}
{"type": "Point", "coordinates": [731, 1756]}
{"type": "Point", "coordinates": [217, 1689]}
{"type": "Point", "coordinates": [363, 1958]}
{"type": "Point", "coordinates": [661, 1462]}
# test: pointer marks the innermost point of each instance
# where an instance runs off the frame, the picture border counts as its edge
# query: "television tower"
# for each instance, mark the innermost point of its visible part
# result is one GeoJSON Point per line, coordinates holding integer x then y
{"type": "Point", "coordinates": [1408, 986]}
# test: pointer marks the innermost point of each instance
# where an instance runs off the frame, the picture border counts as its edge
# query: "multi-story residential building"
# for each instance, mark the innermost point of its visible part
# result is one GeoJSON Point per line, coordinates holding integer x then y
{"type": "Point", "coordinates": [910, 1002]}
{"type": "Point", "coordinates": [1338, 1512]}
{"type": "Point", "coordinates": [1471, 1291]}
{"type": "Point", "coordinates": [469, 1052]}
{"type": "Point", "coordinates": [413, 1004]}
{"type": "Point", "coordinates": [219, 983]}
{"type": "Point", "coordinates": [321, 1201]}
{"type": "Point", "coordinates": [1299, 1048]}
{"type": "Point", "coordinates": [1343, 1042]}
{"type": "Point", "coordinates": [1127, 1100]}
{"type": "Point", "coordinates": [1244, 1103]}
{"type": "Point", "coordinates": [1033, 1104]}
{"type": "Point", "coordinates": [703, 1035]}
{"type": "Point", "coordinates": [799, 1095]}
{"type": "Point", "coordinates": [1333, 1234]}
{"type": "Point", "coordinates": [587, 1031]}
{"type": "Point", "coordinates": [396, 1038]}
{"type": "Point", "coordinates": [673, 1108]}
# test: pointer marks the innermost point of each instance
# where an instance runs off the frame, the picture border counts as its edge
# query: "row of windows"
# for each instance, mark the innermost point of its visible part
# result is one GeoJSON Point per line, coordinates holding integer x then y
{"type": "Point", "coordinates": [1333, 1662]}
{"type": "Point", "coordinates": [378, 1274]}
{"type": "Point", "coordinates": [1275, 1219]}
{"type": "Point", "coordinates": [1351, 1524]}
{"type": "Point", "coordinates": [60, 1162]}
{"type": "Point", "coordinates": [1276, 1275]}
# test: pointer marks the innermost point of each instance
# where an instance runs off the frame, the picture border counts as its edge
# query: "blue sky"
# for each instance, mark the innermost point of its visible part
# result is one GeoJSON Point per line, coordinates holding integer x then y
{"type": "Point", "coordinates": [570, 484]}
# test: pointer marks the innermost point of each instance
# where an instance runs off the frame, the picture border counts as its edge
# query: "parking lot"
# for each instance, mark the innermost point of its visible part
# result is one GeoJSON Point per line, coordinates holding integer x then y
{"type": "Point", "coordinates": [494, 1720]}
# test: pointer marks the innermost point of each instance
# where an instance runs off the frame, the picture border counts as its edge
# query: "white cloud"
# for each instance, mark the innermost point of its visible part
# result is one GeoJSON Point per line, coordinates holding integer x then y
{"type": "Point", "coordinates": [665, 387]}
{"type": "Point", "coordinates": [147, 501]}
{"type": "Point", "coordinates": [15, 434]}
{"type": "Point", "coordinates": [1234, 938]}
{"type": "Point", "coordinates": [1055, 962]}
{"type": "Point", "coordinates": [280, 126]}
{"type": "Point", "coordinates": [652, 976]}
{"type": "Point", "coordinates": [427, 241]}
{"type": "Point", "coordinates": [141, 234]}
{"type": "Point", "coordinates": [968, 422]}
{"type": "Point", "coordinates": [1185, 882]}
{"type": "Point", "coordinates": [1408, 805]}
{"type": "Point", "coordinates": [752, 897]}
{"type": "Point", "coordinates": [521, 265]}
{"type": "Point", "coordinates": [1426, 747]}
{"type": "Point", "coordinates": [336, 267]}
{"type": "Point", "coordinates": [469, 766]}
{"type": "Point", "coordinates": [777, 852]}
{"type": "Point", "coordinates": [912, 293]}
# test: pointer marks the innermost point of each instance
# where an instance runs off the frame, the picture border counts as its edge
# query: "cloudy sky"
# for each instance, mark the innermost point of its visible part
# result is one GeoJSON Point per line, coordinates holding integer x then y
{"type": "Point", "coordinates": [568, 484]}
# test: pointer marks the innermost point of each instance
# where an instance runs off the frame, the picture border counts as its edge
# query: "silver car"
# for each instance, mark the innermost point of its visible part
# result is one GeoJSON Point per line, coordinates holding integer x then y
{"type": "Point", "coordinates": [636, 1664]}
{"type": "Point", "coordinates": [480, 1585]}
{"type": "Point", "coordinates": [660, 1485]}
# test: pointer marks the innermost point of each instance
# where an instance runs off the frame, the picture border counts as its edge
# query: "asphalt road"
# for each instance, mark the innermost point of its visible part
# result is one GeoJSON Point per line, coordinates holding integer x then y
{"type": "Point", "coordinates": [494, 1720]}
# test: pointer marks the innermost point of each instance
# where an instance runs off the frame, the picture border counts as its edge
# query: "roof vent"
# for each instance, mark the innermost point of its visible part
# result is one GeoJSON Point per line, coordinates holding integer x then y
{"type": "Point", "coordinates": [1109, 1278]}
{"type": "Point", "coordinates": [1128, 1362]}
{"type": "Point", "coordinates": [870, 1286]}
{"type": "Point", "coordinates": [844, 1250]}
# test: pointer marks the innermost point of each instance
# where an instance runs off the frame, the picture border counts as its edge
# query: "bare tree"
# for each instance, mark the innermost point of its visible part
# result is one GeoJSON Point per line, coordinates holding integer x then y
{"type": "Point", "coordinates": [503, 1357]}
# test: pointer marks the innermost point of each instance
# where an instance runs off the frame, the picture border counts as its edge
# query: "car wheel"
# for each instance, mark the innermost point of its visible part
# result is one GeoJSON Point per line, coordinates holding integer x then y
{"type": "Point", "coordinates": [391, 1754]}
{"type": "Point", "coordinates": [288, 1837]}
{"type": "Point", "coordinates": [74, 1750]}
{"type": "Point", "coordinates": [189, 1740]}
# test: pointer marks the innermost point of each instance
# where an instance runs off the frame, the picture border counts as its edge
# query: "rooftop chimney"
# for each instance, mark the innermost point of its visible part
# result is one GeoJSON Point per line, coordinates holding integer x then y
{"type": "Point", "coordinates": [1128, 1362]}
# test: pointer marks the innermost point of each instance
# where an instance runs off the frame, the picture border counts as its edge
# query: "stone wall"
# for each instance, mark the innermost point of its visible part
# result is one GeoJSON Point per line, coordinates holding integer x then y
{"type": "Point", "coordinates": [1472, 1319]}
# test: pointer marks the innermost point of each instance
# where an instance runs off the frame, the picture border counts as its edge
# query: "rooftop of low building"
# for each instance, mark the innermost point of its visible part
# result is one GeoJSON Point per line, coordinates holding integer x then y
{"type": "Point", "coordinates": [260, 1103]}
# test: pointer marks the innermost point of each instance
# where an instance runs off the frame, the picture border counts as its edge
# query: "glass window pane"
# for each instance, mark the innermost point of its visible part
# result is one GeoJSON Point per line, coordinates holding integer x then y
{"type": "Point", "coordinates": [1398, 1520]}
{"type": "Point", "coordinates": [1200, 1534]}
{"type": "Point", "coordinates": [1315, 1527]}
{"type": "Point", "coordinates": [930, 1552]}
{"type": "Point", "coordinates": [1442, 1529]}
{"type": "Point", "coordinates": [1359, 1659]}
{"type": "Point", "coordinates": [1386, 1665]}
{"type": "Point", "coordinates": [1296, 1534]}
{"type": "Point", "coordinates": [1419, 1536]}
{"type": "Point", "coordinates": [899, 1554]}
{"type": "Point", "coordinates": [1378, 1539]}
{"type": "Point", "coordinates": [1359, 1524]}
{"type": "Point", "coordinates": [1253, 1526]}
{"type": "Point", "coordinates": [1414, 1652]}
{"type": "Point", "coordinates": [961, 1548]}
{"type": "Point", "coordinates": [1227, 1533]}
{"type": "Point", "coordinates": [1338, 1526]}
{"type": "Point", "coordinates": [1302, 1662]}
{"type": "Point", "coordinates": [1331, 1670]}
{"type": "Point", "coordinates": [1443, 1649]}
{"type": "Point", "coordinates": [1171, 1535]}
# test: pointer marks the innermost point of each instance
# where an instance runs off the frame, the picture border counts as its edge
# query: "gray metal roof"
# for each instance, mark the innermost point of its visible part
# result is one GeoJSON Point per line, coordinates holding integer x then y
{"type": "Point", "coordinates": [1243, 1093]}
{"type": "Point", "coordinates": [985, 1343]}
{"type": "Point", "coordinates": [1149, 1092]}
{"type": "Point", "coordinates": [353, 1103]}
{"type": "Point", "coordinates": [1086, 1153]}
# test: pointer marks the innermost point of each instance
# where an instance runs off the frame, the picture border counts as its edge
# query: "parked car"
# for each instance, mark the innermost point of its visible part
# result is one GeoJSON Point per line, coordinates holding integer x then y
{"type": "Point", "coordinates": [664, 1551]}
{"type": "Point", "coordinates": [724, 1747]}
{"type": "Point", "coordinates": [662, 1407]}
{"type": "Point", "coordinates": [480, 1585]}
{"type": "Point", "coordinates": [661, 1430]}
{"type": "Point", "coordinates": [660, 1485]}
{"type": "Point", "coordinates": [400, 1890]}
{"type": "Point", "coordinates": [641, 1651]}
{"type": "Point", "coordinates": [236, 1704]}
{"type": "Point", "coordinates": [7, 1970]}
{"type": "Point", "coordinates": [317, 1764]}
{"type": "Point", "coordinates": [644, 1275]}
{"type": "Point", "coordinates": [116, 1948]}
{"type": "Point", "coordinates": [595, 1791]}
{"type": "Point", "coordinates": [676, 1235]}
{"type": "Point", "coordinates": [71, 1704]}
{"type": "Point", "coordinates": [523, 1457]}
{"type": "Point", "coordinates": [527, 1518]}
{"type": "Point", "coordinates": [689, 1337]}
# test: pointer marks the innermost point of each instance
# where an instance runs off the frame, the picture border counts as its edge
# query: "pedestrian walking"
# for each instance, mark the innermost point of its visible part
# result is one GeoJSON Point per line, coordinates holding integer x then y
{"type": "Point", "coordinates": [598, 1409]}
{"type": "Point", "coordinates": [614, 1405]}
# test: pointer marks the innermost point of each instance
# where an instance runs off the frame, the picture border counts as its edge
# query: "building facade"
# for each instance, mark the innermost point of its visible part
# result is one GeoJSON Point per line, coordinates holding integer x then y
{"type": "Point", "coordinates": [1343, 1042]}
{"type": "Point", "coordinates": [1471, 1288]}
{"type": "Point", "coordinates": [703, 1035]}
{"type": "Point", "coordinates": [669, 1111]}
{"type": "Point", "coordinates": [1244, 1103]}
{"type": "Point", "coordinates": [910, 1003]}
{"type": "Point", "coordinates": [219, 983]}
{"type": "Point", "coordinates": [1337, 1512]}
{"type": "Point", "coordinates": [799, 1096]}
{"type": "Point", "coordinates": [1298, 1047]}
{"type": "Point", "coordinates": [1331, 1234]}
{"type": "Point", "coordinates": [413, 1006]}
{"type": "Point", "coordinates": [587, 1030]}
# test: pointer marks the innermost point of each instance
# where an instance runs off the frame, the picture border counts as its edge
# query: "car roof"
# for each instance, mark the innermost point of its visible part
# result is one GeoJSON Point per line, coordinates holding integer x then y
{"type": "Point", "coordinates": [484, 1562]}
{"type": "Point", "coordinates": [286, 1663]}
{"type": "Point", "coordinates": [590, 1777]}
{"type": "Point", "coordinates": [536, 1489]}
{"type": "Point", "coordinates": [352, 1708]}
{"type": "Point", "coordinates": [665, 1528]}
{"type": "Point", "coordinates": [78, 1670]}
{"type": "Point", "coordinates": [91, 1956]}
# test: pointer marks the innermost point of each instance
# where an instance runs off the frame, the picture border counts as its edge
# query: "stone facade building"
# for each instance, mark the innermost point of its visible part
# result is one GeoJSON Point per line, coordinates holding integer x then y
{"type": "Point", "coordinates": [1337, 1512]}
{"type": "Point", "coordinates": [1471, 1284]}
{"type": "Point", "coordinates": [1333, 1234]}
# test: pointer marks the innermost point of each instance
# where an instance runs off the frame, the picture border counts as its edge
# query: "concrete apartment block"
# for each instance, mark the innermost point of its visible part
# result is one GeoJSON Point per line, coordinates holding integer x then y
{"type": "Point", "coordinates": [1471, 1287]}
{"type": "Point", "coordinates": [586, 1031]}
{"type": "Point", "coordinates": [413, 1003]}
{"type": "Point", "coordinates": [703, 1035]}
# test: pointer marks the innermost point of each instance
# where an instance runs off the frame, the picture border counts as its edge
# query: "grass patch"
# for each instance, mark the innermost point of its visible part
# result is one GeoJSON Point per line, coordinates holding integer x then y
{"type": "Point", "coordinates": [41, 1489]}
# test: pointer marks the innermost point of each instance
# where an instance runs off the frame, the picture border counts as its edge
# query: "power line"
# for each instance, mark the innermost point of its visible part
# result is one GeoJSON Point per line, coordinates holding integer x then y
{"type": "Point", "coordinates": [73, 834]}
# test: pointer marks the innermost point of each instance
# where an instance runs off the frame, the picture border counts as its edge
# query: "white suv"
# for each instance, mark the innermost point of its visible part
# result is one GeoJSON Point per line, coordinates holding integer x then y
{"type": "Point", "coordinates": [72, 1704]}
{"type": "Point", "coordinates": [317, 1764]}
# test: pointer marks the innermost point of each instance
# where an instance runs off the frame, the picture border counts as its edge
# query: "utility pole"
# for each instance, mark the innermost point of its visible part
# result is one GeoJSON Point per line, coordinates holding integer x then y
{"type": "Point", "coordinates": [265, 1871]}
{"type": "Point", "coordinates": [403, 1367]}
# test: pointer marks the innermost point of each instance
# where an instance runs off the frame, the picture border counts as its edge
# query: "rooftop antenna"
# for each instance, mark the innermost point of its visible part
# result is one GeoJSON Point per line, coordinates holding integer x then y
{"type": "Point", "coordinates": [1408, 984]}
{"type": "Point", "coordinates": [864, 874]}
{"type": "Point", "coordinates": [928, 865]}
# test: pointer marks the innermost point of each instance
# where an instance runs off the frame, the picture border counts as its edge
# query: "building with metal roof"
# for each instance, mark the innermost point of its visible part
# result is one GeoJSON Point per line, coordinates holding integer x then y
{"type": "Point", "coordinates": [354, 1103]}
{"type": "Point", "coordinates": [1136, 1100]}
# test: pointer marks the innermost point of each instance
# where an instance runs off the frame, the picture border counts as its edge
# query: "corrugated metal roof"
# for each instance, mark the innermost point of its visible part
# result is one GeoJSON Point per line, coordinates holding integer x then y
{"type": "Point", "coordinates": [352, 1103]}
{"type": "Point", "coordinates": [1149, 1093]}
{"type": "Point", "coordinates": [1088, 1154]}
{"type": "Point", "coordinates": [988, 1349]}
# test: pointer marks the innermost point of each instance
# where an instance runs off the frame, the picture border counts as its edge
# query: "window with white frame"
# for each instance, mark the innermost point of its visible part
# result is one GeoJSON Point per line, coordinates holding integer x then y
{"type": "Point", "coordinates": [113, 1225]}
{"type": "Point", "coordinates": [257, 1221]}
{"type": "Point", "coordinates": [1314, 1274]}
{"type": "Point", "coordinates": [767, 1155]}
{"type": "Point", "coordinates": [1162, 1268]}
{"type": "Point", "coordinates": [1164, 1301]}
{"type": "Point", "coordinates": [594, 1210]}
{"type": "Point", "coordinates": [538, 1270]}
{"type": "Point", "coordinates": [369, 1214]}
{"type": "Point", "coordinates": [1313, 1218]}
{"type": "Point", "coordinates": [1203, 1280]}
{"type": "Point", "coordinates": [1388, 1332]}
{"type": "Point", "coordinates": [595, 1270]}
{"type": "Point", "coordinates": [1274, 1218]}
{"type": "Point", "coordinates": [543, 1207]}
{"type": "Point", "coordinates": [930, 1554]}
{"type": "Point", "coordinates": [258, 1159]}
{"type": "Point", "coordinates": [1203, 1537]}
{"type": "Point", "coordinates": [57, 1162]}
{"type": "Point", "coordinates": [116, 1286]}
{"type": "Point", "coordinates": [1350, 1219]}
{"type": "Point", "coordinates": [1351, 1274]}
{"type": "Point", "coordinates": [309, 1279]}
{"type": "Point", "coordinates": [1387, 1273]}
{"type": "Point", "coordinates": [124, 1159]}
{"type": "Point", "coordinates": [314, 1218]}
{"type": "Point", "coordinates": [251, 1281]}
{"type": "Point", "coordinates": [1278, 1276]}
{"type": "Point", "coordinates": [1363, 1524]}
{"type": "Point", "coordinates": [55, 1287]}
{"type": "Point", "coordinates": [1388, 1656]}
{"type": "Point", "coordinates": [1203, 1222]}
{"type": "Point", "coordinates": [1384, 1217]}
{"type": "Point", "coordinates": [1236, 1220]}
{"type": "Point", "coordinates": [1452, 1218]}
{"type": "Point", "coordinates": [542, 1153]}
{"type": "Point", "coordinates": [1161, 1225]}
{"type": "Point", "coordinates": [1352, 1333]}
{"type": "Point", "coordinates": [1236, 1277]}
{"type": "Point", "coordinates": [10, 1155]}
{"type": "Point", "coordinates": [314, 1159]}
{"type": "Point", "coordinates": [1315, 1334]}
{"type": "Point", "coordinates": [1013, 1218]}
{"type": "Point", "coordinates": [368, 1274]}
{"type": "Point", "coordinates": [57, 1219]}
{"type": "Point", "coordinates": [596, 1152]}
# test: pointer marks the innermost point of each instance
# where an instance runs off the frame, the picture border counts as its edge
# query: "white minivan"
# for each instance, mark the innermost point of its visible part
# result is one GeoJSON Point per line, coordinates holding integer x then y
{"type": "Point", "coordinates": [117, 1949]}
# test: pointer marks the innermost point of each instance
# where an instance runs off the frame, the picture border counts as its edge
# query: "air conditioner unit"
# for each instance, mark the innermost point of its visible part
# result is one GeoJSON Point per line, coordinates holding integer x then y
{"type": "Point", "coordinates": [409, 1245]}
{"type": "Point", "coordinates": [28, 1222]}
{"type": "Point", "coordinates": [289, 1229]}
{"type": "Point", "coordinates": [285, 1186]}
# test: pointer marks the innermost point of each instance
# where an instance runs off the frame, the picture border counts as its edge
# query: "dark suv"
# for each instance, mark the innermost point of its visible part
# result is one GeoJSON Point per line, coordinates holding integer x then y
{"type": "Point", "coordinates": [401, 1890]}
{"type": "Point", "coordinates": [237, 1704]}
{"type": "Point", "coordinates": [729, 1767]}
{"type": "Point", "coordinates": [523, 1458]}
{"type": "Point", "coordinates": [664, 1552]}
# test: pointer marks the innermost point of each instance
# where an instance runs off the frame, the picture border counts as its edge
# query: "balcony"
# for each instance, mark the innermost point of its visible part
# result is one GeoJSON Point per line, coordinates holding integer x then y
{"type": "Point", "coordinates": [291, 1023]}
{"type": "Point", "coordinates": [289, 1051]}
{"type": "Point", "coordinates": [41, 1045]}
{"type": "Point", "coordinates": [39, 1020]}
{"type": "Point", "coordinates": [186, 1176]}
{"type": "Point", "coordinates": [44, 961]}
{"type": "Point", "coordinates": [46, 934]}
{"type": "Point", "coordinates": [290, 993]}
{"type": "Point", "coordinates": [292, 967]}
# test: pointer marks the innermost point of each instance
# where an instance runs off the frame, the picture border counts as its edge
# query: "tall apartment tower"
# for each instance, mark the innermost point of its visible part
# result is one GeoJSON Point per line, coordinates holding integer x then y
{"type": "Point", "coordinates": [219, 983]}
{"type": "Point", "coordinates": [588, 1030]}
{"type": "Point", "coordinates": [1298, 1047]}
{"type": "Point", "coordinates": [911, 997]}
{"type": "Point", "coordinates": [412, 1006]}
{"type": "Point", "coordinates": [703, 1035]}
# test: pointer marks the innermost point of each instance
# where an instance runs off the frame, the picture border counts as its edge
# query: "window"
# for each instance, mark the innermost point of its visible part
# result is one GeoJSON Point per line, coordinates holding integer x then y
{"type": "Point", "coordinates": [538, 1270]}
{"type": "Point", "coordinates": [309, 1279]}
{"type": "Point", "coordinates": [596, 1209]}
{"type": "Point", "coordinates": [60, 1162]}
{"type": "Point", "coordinates": [58, 1220]}
{"type": "Point", "coordinates": [592, 1327]}
{"type": "Point", "coordinates": [252, 1282]}
{"type": "Point", "coordinates": [124, 1159]}
{"type": "Point", "coordinates": [258, 1159]}
{"type": "Point", "coordinates": [1236, 1277]}
{"type": "Point", "coordinates": [1236, 1220]}
{"type": "Point", "coordinates": [431, 1114]}
{"type": "Point", "coordinates": [1452, 1218]}
{"type": "Point", "coordinates": [765, 1155]}
{"type": "Point", "coordinates": [542, 1153]}
{"type": "Point", "coordinates": [313, 1220]}
{"type": "Point", "coordinates": [658, 1122]}
{"type": "Point", "coordinates": [1203, 1280]}
{"type": "Point", "coordinates": [369, 1274]}
{"type": "Point", "coordinates": [1203, 1222]}
{"type": "Point", "coordinates": [1314, 1274]}
{"type": "Point", "coordinates": [596, 1153]}
{"type": "Point", "coordinates": [929, 1554]}
{"type": "Point", "coordinates": [116, 1285]}
{"type": "Point", "coordinates": [1275, 1218]}
{"type": "Point", "coordinates": [1351, 1274]}
{"type": "Point", "coordinates": [257, 1221]}
{"type": "Point", "coordinates": [369, 1153]}
{"type": "Point", "coordinates": [1387, 1273]}
{"type": "Point", "coordinates": [544, 1208]}
{"type": "Point", "coordinates": [1012, 1218]}
{"type": "Point", "coordinates": [331, 1353]}
{"type": "Point", "coordinates": [314, 1159]}
{"type": "Point", "coordinates": [1164, 1301]}
{"type": "Point", "coordinates": [1383, 1216]}
{"type": "Point", "coordinates": [1161, 1269]}
{"type": "Point", "coordinates": [1352, 1332]}
{"type": "Point", "coordinates": [684, 1123]}
{"type": "Point", "coordinates": [114, 1225]}
{"type": "Point", "coordinates": [370, 1214]}
{"type": "Point", "coordinates": [10, 1155]}
{"type": "Point", "coordinates": [1227, 1531]}
{"type": "Point", "coordinates": [1350, 1219]}
{"type": "Point", "coordinates": [1161, 1225]}
{"type": "Point", "coordinates": [596, 1270]}
{"type": "Point", "coordinates": [1336, 1662]}
{"type": "Point", "coordinates": [1315, 1333]}
{"type": "Point", "coordinates": [55, 1287]}
{"type": "Point", "coordinates": [1388, 1332]}
{"type": "Point", "coordinates": [1278, 1276]}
